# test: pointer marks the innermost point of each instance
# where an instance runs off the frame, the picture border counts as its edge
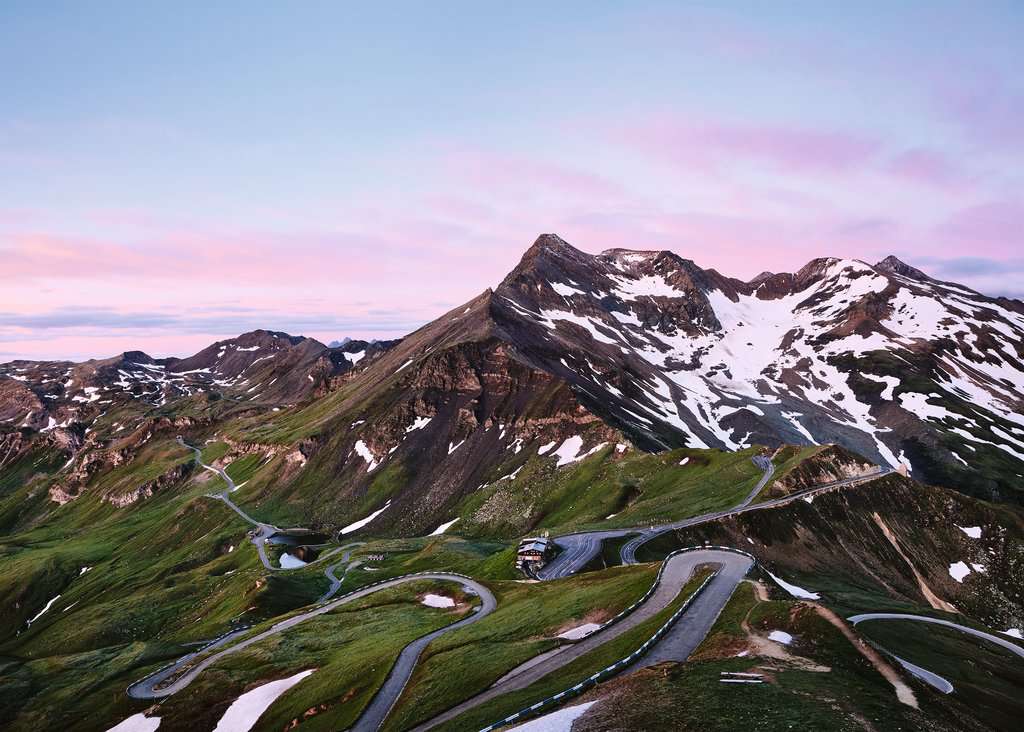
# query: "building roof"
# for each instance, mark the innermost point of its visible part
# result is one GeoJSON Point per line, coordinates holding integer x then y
{"type": "Point", "coordinates": [536, 546]}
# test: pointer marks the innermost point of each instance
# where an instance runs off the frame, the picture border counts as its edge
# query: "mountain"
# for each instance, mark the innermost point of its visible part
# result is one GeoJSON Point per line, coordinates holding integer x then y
{"type": "Point", "coordinates": [547, 405]}
{"type": "Point", "coordinates": [572, 354]}
{"type": "Point", "coordinates": [882, 359]}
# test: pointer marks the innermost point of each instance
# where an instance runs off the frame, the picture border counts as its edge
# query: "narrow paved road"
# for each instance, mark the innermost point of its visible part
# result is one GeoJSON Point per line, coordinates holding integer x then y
{"type": "Point", "coordinates": [684, 636]}
{"type": "Point", "coordinates": [628, 552]}
{"type": "Point", "coordinates": [580, 548]}
{"type": "Point", "coordinates": [263, 531]}
{"type": "Point", "coordinates": [929, 677]}
{"type": "Point", "coordinates": [329, 572]}
{"type": "Point", "coordinates": [629, 549]}
{"type": "Point", "coordinates": [153, 686]}
{"type": "Point", "coordinates": [1008, 645]}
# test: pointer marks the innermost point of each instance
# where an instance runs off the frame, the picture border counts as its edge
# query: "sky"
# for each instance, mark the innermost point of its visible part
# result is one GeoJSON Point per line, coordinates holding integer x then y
{"type": "Point", "coordinates": [174, 174]}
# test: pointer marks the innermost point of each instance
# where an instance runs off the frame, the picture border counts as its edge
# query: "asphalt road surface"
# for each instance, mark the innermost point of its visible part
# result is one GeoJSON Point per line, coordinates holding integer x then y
{"type": "Point", "coordinates": [1008, 645]}
{"type": "Point", "coordinates": [580, 548]}
{"type": "Point", "coordinates": [685, 634]}
{"type": "Point", "coordinates": [262, 531]}
{"type": "Point", "coordinates": [930, 678]}
{"type": "Point", "coordinates": [153, 686]}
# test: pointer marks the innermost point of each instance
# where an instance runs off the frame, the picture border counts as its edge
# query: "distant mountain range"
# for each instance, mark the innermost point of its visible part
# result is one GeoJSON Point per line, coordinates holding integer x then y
{"type": "Point", "coordinates": [571, 352]}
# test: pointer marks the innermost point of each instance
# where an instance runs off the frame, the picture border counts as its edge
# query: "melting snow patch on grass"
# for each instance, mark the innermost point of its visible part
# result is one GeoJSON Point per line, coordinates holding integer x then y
{"type": "Point", "coordinates": [972, 531]}
{"type": "Point", "coordinates": [560, 721]}
{"type": "Point", "coordinates": [365, 454]}
{"type": "Point", "coordinates": [432, 600]}
{"type": "Point", "coordinates": [793, 589]}
{"type": "Point", "coordinates": [580, 631]}
{"type": "Point", "coordinates": [290, 562]}
{"type": "Point", "coordinates": [443, 527]}
{"type": "Point", "coordinates": [1013, 633]}
{"type": "Point", "coordinates": [363, 522]}
{"type": "Point", "coordinates": [137, 723]}
{"type": "Point", "coordinates": [47, 607]}
{"type": "Point", "coordinates": [246, 710]}
{"type": "Point", "coordinates": [780, 636]}
{"type": "Point", "coordinates": [568, 451]}
{"type": "Point", "coordinates": [958, 571]}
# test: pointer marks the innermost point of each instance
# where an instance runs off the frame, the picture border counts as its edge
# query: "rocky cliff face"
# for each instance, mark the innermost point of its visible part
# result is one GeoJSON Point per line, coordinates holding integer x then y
{"type": "Point", "coordinates": [881, 359]}
{"type": "Point", "coordinates": [570, 351]}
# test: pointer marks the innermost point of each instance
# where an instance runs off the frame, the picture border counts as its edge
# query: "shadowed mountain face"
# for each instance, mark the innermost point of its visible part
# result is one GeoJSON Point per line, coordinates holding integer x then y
{"type": "Point", "coordinates": [570, 353]}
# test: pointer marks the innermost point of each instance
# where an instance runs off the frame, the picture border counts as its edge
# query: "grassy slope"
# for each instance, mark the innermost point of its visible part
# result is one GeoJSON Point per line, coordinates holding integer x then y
{"type": "Point", "coordinates": [638, 488]}
{"type": "Point", "coordinates": [828, 686]}
{"type": "Point", "coordinates": [571, 674]}
{"type": "Point", "coordinates": [524, 625]}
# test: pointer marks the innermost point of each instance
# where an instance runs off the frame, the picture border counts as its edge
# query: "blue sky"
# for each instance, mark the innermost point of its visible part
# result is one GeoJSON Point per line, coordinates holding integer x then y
{"type": "Point", "coordinates": [348, 170]}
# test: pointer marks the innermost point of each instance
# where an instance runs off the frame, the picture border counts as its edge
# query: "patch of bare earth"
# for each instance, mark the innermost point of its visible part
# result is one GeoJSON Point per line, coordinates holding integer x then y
{"type": "Point", "coordinates": [934, 600]}
{"type": "Point", "coordinates": [903, 692]}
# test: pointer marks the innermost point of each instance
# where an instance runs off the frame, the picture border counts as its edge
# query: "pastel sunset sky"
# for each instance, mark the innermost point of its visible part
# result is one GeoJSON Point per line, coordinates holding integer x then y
{"type": "Point", "coordinates": [173, 174]}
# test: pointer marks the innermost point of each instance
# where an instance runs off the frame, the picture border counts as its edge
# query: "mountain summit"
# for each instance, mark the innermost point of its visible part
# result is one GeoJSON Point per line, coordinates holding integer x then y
{"type": "Point", "coordinates": [882, 359]}
{"type": "Point", "coordinates": [626, 347]}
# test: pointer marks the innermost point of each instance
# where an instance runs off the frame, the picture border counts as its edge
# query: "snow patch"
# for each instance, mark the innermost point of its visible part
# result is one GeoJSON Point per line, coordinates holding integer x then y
{"type": "Point", "coordinates": [418, 424]}
{"type": "Point", "coordinates": [780, 636]}
{"type": "Point", "coordinates": [580, 631]}
{"type": "Point", "coordinates": [365, 454]}
{"type": "Point", "coordinates": [47, 607]}
{"type": "Point", "coordinates": [972, 531]}
{"type": "Point", "coordinates": [443, 527]}
{"type": "Point", "coordinates": [794, 590]}
{"type": "Point", "coordinates": [560, 721]}
{"type": "Point", "coordinates": [431, 600]}
{"type": "Point", "coordinates": [958, 571]}
{"type": "Point", "coordinates": [246, 710]}
{"type": "Point", "coordinates": [363, 522]}
{"type": "Point", "coordinates": [136, 723]}
{"type": "Point", "coordinates": [568, 451]}
{"type": "Point", "coordinates": [290, 562]}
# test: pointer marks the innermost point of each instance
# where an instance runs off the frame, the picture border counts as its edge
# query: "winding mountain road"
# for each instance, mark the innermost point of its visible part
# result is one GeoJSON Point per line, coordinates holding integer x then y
{"type": "Point", "coordinates": [1008, 645]}
{"type": "Point", "coordinates": [156, 685]}
{"type": "Point", "coordinates": [676, 645]}
{"type": "Point", "coordinates": [929, 677]}
{"type": "Point", "coordinates": [263, 531]}
{"type": "Point", "coordinates": [579, 548]}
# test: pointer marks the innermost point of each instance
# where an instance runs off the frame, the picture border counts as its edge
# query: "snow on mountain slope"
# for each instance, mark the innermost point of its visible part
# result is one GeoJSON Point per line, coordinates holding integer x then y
{"type": "Point", "coordinates": [881, 359]}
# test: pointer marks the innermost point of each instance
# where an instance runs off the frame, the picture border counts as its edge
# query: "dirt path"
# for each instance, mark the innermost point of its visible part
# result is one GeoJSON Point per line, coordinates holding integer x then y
{"type": "Point", "coordinates": [903, 692]}
{"type": "Point", "coordinates": [934, 600]}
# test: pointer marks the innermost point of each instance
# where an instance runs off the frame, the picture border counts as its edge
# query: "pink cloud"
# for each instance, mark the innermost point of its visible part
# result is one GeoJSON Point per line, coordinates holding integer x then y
{"type": "Point", "coordinates": [992, 229]}
{"type": "Point", "coordinates": [929, 168]}
{"type": "Point", "coordinates": [709, 145]}
{"type": "Point", "coordinates": [537, 176]}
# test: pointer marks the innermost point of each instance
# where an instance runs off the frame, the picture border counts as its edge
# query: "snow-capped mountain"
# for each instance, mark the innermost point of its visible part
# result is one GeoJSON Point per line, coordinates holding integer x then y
{"type": "Point", "coordinates": [261, 366]}
{"type": "Point", "coordinates": [571, 354]}
{"type": "Point", "coordinates": [880, 358]}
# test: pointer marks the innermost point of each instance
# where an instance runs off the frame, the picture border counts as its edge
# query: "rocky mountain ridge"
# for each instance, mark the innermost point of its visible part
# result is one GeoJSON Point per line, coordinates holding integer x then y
{"type": "Point", "coordinates": [570, 354]}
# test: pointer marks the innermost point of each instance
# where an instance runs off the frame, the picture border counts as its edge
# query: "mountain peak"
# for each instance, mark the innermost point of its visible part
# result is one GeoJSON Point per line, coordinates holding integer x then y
{"type": "Point", "coordinates": [897, 266]}
{"type": "Point", "coordinates": [552, 243]}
